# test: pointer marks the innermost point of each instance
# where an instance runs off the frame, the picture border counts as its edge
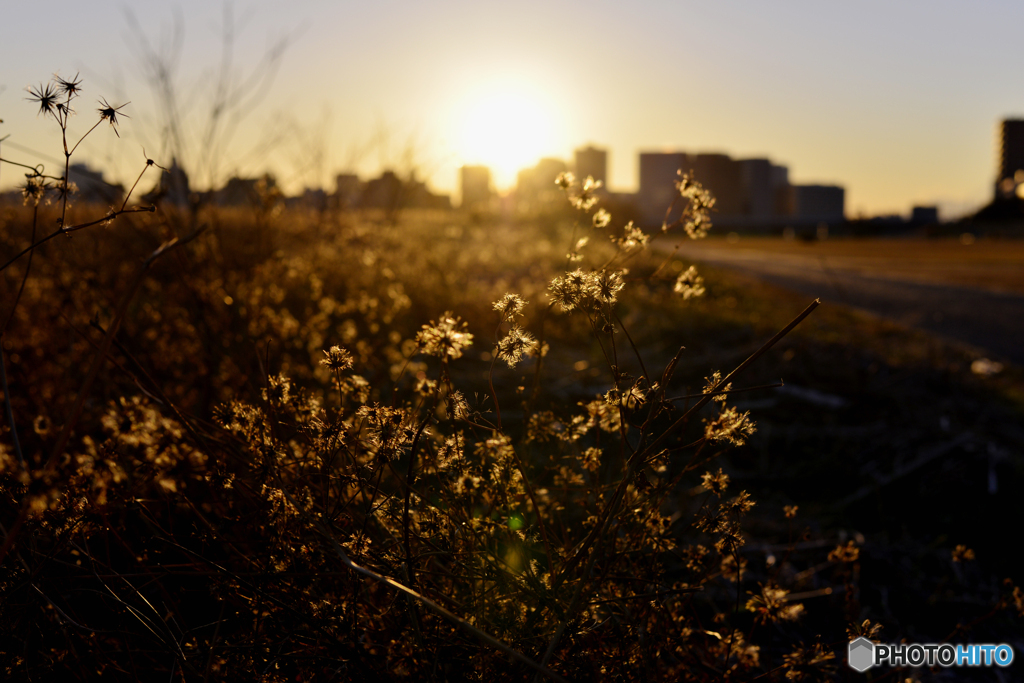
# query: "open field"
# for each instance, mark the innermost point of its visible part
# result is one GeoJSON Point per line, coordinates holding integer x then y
{"type": "Point", "coordinates": [291, 456]}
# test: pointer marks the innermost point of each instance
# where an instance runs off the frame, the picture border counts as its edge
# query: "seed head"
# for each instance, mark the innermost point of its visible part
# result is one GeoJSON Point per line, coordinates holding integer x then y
{"type": "Point", "coordinates": [337, 359]}
{"type": "Point", "coordinates": [510, 306]}
{"type": "Point", "coordinates": [110, 113]}
{"type": "Point", "coordinates": [70, 87]}
{"type": "Point", "coordinates": [45, 97]}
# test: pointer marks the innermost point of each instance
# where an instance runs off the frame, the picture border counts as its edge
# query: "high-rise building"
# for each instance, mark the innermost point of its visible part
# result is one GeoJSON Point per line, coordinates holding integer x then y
{"type": "Point", "coordinates": [658, 173]}
{"type": "Point", "coordinates": [475, 183]}
{"type": "Point", "coordinates": [1011, 157]}
{"type": "Point", "coordinates": [593, 162]}
{"type": "Point", "coordinates": [724, 178]}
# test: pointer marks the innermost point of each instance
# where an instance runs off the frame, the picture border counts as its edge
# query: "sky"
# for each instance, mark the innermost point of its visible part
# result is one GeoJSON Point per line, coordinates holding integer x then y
{"type": "Point", "coordinates": [898, 102]}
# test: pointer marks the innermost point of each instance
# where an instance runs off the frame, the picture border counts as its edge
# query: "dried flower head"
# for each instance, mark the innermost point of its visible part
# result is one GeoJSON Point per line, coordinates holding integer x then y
{"type": "Point", "coordinates": [510, 306]}
{"type": "Point", "coordinates": [110, 113]}
{"type": "Point", "coordinates": [446, 338]}
{"type": "Point", "coordinates": [607, 285]}
{"type": "Point", "coordinates": [689, 283]}
{"type": "Point", "coordinates": [771, 605]}
{"type": "Point", "coordinates": [865, 629]}
{"type": "Point", "coordinates": [633, 238]}
{"type": "Point", "coordinates": [34, 190]}
{"type": "Point", "coordinates": [337, 359]}
{"type": "Point", "coordinates": [962, 553]}
{"type": "Point", "coordinates": [601, 218]}
{"type": "Point", "coordinates": [573, 290]}
{"type": "Point", "coordinates": [730, 425]}
{"type": "Point", "coordinates": [517, 343]}
{"type": "Point", "coordinates": [790, 511]}
{"type": "Point", "coordinates": [716, 483]}
{"type": "Point", "coordinates": [810, 663]}
{"type": "Point", "coordinates": [46, 97]}
{"type": "Point", "coordinates": [711, 385]}
{"type": "Point", "coordinates": [70, 87]}
{"type": "Point", "coordinates": [699, 202]}
{"type": "Point", "coordinates": [845, 553]}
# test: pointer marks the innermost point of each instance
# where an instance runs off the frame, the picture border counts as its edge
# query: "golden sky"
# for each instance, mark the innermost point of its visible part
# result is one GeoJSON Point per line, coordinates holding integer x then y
{"type": "Point", "coordinates": [898, 102]}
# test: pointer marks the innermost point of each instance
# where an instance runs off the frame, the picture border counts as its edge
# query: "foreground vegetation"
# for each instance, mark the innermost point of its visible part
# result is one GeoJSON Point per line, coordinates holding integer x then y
{"type": "Point", "coordinates": [279, 445]}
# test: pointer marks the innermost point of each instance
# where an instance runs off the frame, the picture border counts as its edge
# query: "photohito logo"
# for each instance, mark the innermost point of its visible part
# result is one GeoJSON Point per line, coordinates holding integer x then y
{"type": "Point", "coordinates": [864, 654]}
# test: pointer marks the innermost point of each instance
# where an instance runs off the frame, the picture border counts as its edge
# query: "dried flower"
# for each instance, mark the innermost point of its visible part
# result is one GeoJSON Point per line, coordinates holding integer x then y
{"type": "Point", "coordinates": [601, 218]}
{"type": "Point", "coordinates": [337, 359]}
{"type": "Point", "coordinates": [711, 385]}
{"type": "Point", "coordinates": [730, 425]}
{"type": "Point", "coordinates": [446, 338]}
{"type": "Point", "coordinates": [510, 306]}
{"type": "Point", "coordinates": [515, 345]}
{"type": "Point", "coordinates": [716, 483]}
{"type": "Point", "coordinates": [632, 238]}
{"type": "Point", "coordinates": [34, 190]}
{"type": "Point", "coordinates": [845, 553]}
{"type": "Point", "coordinates": [962, 553]}
{"type": "Point", "coordinates": [110, 113]}
{"type": "Point", "coordinates": [689, 283]}
{"type": "Point", "coordinates": [771, 605]}
{"type": "Point", "coordinates": [69, 87]}
{"type": "Point", "coordinates": [45, 97]}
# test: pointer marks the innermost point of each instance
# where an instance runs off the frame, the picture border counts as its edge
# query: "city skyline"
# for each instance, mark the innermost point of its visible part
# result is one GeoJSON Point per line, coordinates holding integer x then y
{"type": "Point", "coordinates": [899, 105]}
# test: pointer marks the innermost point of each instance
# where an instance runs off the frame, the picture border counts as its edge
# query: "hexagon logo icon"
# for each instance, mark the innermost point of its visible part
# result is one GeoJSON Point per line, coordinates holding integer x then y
{"type": "Point", "coordinates": [861, 654]}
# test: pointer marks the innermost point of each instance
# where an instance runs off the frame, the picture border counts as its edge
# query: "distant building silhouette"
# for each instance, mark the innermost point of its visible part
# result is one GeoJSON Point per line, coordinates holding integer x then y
{"type": "Point", "coordinates": [475, 184]}
{"type": "Point", "coordinates": [1011, 157]}
{"type": "Point", "coordinates": [384, 192]}
{"type": "Point", "coordinates": [924, 215]}
{"type": "Point", "coordinates": [348, 190]}
{"type": "Point", "coordinates": [248, 191]}
{"type": "Point", "coordinates": [593, 162]}
{"type": "Point", "coordinates": [818, 203]}
{"type": "Point", "coordinates": [92, 187]}
{"type": "Point", "coordinates": [749, 193]}
{"type": "Point", "coordinates": [172, 188]}
{"type": "Point", "coordinates": [657, 175]}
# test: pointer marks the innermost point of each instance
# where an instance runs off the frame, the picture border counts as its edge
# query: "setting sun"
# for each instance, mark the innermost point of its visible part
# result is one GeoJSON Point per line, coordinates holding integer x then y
{"type": "Point", "coordinates": [505, 130]}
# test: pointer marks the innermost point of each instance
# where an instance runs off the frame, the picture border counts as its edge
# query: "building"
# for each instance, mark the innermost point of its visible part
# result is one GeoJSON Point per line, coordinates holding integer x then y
{"type": "Point", "coordinates": [475, 184]}
{"type": "Point", "coordinates": [92, 187]}
{"type": "Point", "coordinates": [1011, 157]}
{"type": "Point", "coordinates": [723, 176]}
{"type": "Point", "coordinates": [658, 173]}
{"type": "Point", "coordinates": [593, 162]}
{"type": "Point", "coordinates": [348, 190]}
{"type": "Point", "coordinates": [818, 203]}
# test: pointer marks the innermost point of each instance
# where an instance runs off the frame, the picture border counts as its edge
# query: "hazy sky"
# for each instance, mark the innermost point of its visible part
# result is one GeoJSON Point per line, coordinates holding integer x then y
{"type": "Point", "coordinates": [896, 101]}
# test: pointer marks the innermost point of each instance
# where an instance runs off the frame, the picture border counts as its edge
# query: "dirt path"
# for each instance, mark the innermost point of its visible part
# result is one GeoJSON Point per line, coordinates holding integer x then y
{"type": "Point", "coordinates": [973, 296]}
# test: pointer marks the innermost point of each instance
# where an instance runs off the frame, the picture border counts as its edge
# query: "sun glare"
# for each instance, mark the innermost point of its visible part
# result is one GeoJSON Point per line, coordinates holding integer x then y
{"type": "Point", "coordinates": [506, 131]}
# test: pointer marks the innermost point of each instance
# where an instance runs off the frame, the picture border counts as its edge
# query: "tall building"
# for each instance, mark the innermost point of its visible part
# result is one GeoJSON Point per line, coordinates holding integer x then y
{"type": "Point", "coordinates": [724, 177]}
{"type": "Point", "coordinates": [1011, 157]}
{"type": "Point", "coordinates": [593, 162]}
{"type": "Point", "coordinates": [475, 184]}
{"type": "Point", "coordinates": [657, 183]}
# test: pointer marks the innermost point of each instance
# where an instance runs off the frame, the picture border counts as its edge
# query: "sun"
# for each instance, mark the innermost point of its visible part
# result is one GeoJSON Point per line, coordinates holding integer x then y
{"type": "Point", "coordinates": [505, 130]}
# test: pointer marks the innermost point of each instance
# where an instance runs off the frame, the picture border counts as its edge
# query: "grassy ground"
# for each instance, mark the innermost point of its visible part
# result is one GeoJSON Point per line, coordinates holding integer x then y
{"type": "Point", "coordinates": [173, 488]}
